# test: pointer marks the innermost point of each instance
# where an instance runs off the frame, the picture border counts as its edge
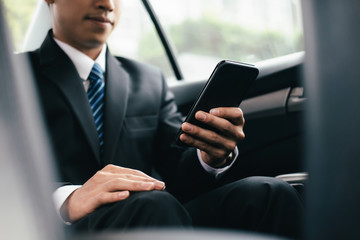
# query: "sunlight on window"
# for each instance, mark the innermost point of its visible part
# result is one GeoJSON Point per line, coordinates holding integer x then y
{"type": "Point", "coordinates": [206, 31]}
{"type": "Point", "coordinates": [18, 14]}
{"type": "Point", "coordinates": [136, 38]}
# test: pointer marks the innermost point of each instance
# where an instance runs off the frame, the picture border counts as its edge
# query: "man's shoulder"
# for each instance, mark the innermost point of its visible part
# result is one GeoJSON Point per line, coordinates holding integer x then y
{"type": "Point", "coordinates": [31, 56]}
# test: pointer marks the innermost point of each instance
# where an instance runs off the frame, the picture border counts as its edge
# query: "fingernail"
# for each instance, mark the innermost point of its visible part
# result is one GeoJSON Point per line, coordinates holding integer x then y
{"type": "Point", "coordinates": [201, 116]}
{"type": "Point", "coordinates": [160, 185]}
{"type": "Point", "coordinates": [187, 127]}
{"type": "Point", "coordinates": [214, 112]}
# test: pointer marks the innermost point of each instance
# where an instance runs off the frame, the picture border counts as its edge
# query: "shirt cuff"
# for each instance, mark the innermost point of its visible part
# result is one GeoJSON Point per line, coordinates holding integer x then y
{"type": "Point", "coordinates": [217, 172]}
{"type": "Point", "coordinates": [60, 195]}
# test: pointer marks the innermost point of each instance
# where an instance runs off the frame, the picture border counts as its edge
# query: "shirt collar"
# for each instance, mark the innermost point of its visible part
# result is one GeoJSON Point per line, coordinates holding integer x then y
{"type": "Point", "coordinates": [82, 62]}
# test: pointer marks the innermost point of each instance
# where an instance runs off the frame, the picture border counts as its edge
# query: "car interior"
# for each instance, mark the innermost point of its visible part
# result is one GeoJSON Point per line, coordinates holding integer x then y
{"type": "Point", "coordinates": [273, 107]}
{"type": "Point", "coordinates": [300, 127]}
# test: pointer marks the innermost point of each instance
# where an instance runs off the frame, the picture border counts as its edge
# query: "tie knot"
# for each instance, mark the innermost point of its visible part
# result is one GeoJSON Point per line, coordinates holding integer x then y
{"type": "Point", "coordinates": [96, 73]}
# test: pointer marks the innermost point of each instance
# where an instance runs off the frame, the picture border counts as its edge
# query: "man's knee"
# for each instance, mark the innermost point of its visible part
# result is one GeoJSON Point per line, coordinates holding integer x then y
{"type": "Point", "coordinates": [155, 201]}
{"type": "Point", "coordinates": [263, 188]}
{"type": "Point", "coordinates": [268, 204]}
{"type": "Point", "coordinates": [158, 208]}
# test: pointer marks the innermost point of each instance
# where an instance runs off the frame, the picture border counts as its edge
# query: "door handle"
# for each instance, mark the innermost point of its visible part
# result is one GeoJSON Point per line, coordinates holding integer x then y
{"type": "Point", "coordinates": [296, 101]}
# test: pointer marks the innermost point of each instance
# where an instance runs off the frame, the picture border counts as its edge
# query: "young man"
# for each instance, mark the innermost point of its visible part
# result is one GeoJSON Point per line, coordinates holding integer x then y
{"type": "Point", "coordinates": [112, 120]}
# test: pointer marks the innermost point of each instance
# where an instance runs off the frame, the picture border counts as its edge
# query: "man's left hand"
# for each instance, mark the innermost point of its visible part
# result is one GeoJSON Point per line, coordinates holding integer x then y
{"type": "Point", "coordinates": [215, 145]}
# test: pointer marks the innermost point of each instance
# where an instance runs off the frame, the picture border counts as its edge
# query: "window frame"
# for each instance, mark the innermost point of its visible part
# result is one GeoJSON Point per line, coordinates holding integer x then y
{"type": "Point", "coordinates": [164, 40]}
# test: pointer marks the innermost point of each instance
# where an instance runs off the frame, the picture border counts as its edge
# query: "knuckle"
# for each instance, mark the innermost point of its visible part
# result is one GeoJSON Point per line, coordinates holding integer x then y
{"type": "Point", "coordinates": [202, 146]}
{"type": "Point", "coordinates": [219, 111]}
{"type": "Point", "coordinates": [143, 185]}
{"type": "Point", "coordinates": [213, 137]}
{"type": "Point", "coordinates": [100, 173]}
{"type": "Point", "coordinates": [136, 172]}
{"type": "Point", "coordinates": [242, 135]}
{"type": "Point", "coordinates": [228, 127]}
{"type": "Point", "coordinates": [239, 134]}
{"type": "Point", "coordinates": [195, 130]}
{"type": "Point", "coordinates": [192, 129]}
{"type": "Point", "coordinates": [109, 166]}
{"type": "Point", "coordinates": [112, 168]}
{"type": "Point", "coordinates": [211, 118]}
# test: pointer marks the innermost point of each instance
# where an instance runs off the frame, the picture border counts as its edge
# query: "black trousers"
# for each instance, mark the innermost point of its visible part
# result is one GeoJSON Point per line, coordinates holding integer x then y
{"type": "Point", "coordinates": [259, 204]}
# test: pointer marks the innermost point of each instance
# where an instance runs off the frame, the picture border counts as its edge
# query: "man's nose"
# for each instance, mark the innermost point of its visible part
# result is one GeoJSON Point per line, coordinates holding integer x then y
{"type": "Point", "coordinates": [107, 5]}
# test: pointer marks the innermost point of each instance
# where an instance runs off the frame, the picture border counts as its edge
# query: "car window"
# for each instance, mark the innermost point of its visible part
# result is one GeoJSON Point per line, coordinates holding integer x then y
{"type": "Point", "coordinates": [136, 37]}
{"type": "Point", "coordinates": [18, 14]}
{"type": "Point", "coordinates": [206, 31]}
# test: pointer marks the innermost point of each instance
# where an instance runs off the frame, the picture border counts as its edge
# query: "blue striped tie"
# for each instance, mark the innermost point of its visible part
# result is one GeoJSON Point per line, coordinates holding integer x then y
{"type": "Point", "coordinates": [96, 98]}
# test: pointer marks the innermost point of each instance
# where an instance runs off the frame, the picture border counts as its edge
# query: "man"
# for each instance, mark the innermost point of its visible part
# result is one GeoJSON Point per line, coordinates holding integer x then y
{"type": "Point", "coordinates": [112, 120]}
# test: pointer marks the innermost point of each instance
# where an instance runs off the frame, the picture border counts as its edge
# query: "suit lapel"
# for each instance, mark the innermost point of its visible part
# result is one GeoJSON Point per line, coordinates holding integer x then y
{"type": "Point", "coordinates": [58, 68]}
{"type": "Point", "coordinates": [116, 95]}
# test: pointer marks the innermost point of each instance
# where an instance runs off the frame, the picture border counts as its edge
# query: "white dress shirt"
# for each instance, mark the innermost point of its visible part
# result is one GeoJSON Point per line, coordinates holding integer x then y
{"type": "Point", "coordinates": [83, 65]}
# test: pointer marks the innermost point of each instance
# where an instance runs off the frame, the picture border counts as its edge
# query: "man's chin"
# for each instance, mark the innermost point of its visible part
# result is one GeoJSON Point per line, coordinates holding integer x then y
{"type": "Point", "coordinates": [95, 42]}
{"type": "Point", "coordinates": [98, 39]}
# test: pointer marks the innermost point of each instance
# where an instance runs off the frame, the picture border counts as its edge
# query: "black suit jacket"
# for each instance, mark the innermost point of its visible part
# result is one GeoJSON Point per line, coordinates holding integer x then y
{"type": "Point", "coordinates": [141, 122]}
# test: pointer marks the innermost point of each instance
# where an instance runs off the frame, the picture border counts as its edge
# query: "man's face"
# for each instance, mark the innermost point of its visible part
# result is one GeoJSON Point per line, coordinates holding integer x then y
{"type": "Point", "coordinates": [84, 24]}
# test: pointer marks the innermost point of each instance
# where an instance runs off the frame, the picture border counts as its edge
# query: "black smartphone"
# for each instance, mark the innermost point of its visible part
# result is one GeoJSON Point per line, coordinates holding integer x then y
{"type": "Point", "coordinates": [226, 87]}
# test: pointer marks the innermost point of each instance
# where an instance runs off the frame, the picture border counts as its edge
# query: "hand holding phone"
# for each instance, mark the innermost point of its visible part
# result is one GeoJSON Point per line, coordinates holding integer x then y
{"type": "Point", "coordinates": [226, 87]}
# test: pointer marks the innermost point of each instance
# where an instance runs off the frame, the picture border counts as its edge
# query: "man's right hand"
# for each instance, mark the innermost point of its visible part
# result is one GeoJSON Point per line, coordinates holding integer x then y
{"type": "Point", "coordinates": [110, 184]}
